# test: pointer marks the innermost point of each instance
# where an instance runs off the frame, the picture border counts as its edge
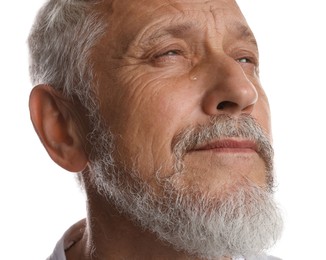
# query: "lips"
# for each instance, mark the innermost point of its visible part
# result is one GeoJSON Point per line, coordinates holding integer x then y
{"type": "Point", "coordinates": [228, 145]}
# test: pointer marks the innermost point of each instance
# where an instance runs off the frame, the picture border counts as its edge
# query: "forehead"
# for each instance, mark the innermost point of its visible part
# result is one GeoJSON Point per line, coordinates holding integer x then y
{"type": "Point", "coordinates": [128, 9]}
{"type": "Point", "coordinates": [130, 21]}
{"type": "Point", "coordinates": [179, 5]}
{"type": "Point", "coordinates": [129, 16]}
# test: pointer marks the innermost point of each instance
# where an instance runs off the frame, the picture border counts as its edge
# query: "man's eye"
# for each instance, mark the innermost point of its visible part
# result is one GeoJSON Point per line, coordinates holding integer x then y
{"type": "Point", "coordinates": [169, 53]}
{"type": "Point", "coordinates": [244, 60]}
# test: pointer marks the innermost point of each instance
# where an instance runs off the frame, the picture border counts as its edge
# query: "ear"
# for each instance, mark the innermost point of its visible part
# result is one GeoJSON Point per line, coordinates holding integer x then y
{"type": "Point", "coordinates": [52, 119]}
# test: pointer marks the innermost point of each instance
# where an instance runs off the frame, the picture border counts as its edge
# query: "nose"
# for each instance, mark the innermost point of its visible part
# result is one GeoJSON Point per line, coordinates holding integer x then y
{"type": "Point", "coordinates": [229, 89]}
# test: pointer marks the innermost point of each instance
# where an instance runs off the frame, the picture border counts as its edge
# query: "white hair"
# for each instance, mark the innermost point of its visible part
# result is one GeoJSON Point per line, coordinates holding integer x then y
{"type": "Point", "coordinates": [241, 219]}
{"type": "Point", "coordinates": [60, 41]}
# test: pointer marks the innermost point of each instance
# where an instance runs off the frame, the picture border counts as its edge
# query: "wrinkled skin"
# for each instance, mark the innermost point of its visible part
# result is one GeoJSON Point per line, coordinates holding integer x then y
{"type": "Point", "coordinates": [165, 66]}
{"type": "Point", "coordinates": [162, 67]}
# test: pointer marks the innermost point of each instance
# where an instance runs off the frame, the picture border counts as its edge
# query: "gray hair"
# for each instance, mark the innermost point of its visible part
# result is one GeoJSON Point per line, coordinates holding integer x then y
{"type": "Point", "coordinates": [60, 42]}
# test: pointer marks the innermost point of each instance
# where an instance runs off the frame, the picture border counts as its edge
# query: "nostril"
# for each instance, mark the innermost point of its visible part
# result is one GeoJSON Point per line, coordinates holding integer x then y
{"type": "Point", "coordinates": [225, 104]}
{"type": "Point", "coordinates": [221, 106]}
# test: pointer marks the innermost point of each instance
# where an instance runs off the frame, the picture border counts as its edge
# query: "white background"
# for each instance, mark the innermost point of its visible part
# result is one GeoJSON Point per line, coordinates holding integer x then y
{"type": "Point", "coordinates": [39, 200]}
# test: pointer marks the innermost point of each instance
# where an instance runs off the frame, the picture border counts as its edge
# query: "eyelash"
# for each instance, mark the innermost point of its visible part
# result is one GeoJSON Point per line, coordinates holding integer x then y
{"type": "Point", "coordinates": [172, 52]}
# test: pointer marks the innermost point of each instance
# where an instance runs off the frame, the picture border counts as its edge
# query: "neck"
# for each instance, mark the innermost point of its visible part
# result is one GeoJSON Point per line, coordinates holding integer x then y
{"type": "Point", "coordinates": [109, 235]}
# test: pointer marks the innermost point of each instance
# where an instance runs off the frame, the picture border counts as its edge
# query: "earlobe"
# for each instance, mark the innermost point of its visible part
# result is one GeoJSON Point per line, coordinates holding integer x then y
{"type": "Point", "coordinates": [55, 126]}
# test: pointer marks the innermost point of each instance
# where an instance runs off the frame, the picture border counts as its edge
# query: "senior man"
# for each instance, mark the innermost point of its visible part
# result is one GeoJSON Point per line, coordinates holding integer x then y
{"type": "Point", "coordinates": [157, 105]}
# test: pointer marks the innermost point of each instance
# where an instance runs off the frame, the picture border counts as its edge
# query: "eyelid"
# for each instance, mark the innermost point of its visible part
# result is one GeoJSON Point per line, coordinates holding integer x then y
{"type": "Point", "coordinates": [251, 66]}
{"type": "Point", "coordinates": [166, 53]}
{"type": "Point", "coordinates": [239, 52]}
{"type": "Point", "coordinates": [169, 51]}
{"type": "Point", "coordinates": [243, 58]}
{"type": "Point", "coordinates": [161, 48]}
{"type": "Point", "coordinates": [251, 59]}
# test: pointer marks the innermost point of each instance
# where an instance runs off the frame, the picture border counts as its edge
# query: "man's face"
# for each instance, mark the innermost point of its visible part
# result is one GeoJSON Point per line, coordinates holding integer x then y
{"type": "Point", "coordinates": [167, 66]}
{"type": "Point", "coordinates": [185, 149]}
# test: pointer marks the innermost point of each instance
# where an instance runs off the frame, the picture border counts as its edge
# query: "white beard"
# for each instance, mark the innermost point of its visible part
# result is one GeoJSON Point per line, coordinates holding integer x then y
{"type": "Point", "coordinates": [242, 221]}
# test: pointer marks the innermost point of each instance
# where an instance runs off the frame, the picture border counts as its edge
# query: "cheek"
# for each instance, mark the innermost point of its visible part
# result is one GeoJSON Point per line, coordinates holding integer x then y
{"type": "Point", "coordinates": [144, 113]}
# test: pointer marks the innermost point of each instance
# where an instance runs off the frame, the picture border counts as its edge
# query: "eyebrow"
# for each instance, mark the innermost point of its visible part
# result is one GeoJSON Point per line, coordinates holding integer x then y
{"type": "Point", "coordinates": [181, 29]}
{"type": "Point", "coordinates": [240, 30]}
{"type": "Point", "coordinates": [177, 30]}
{"type": "Point", "coordinates": [243, 32]}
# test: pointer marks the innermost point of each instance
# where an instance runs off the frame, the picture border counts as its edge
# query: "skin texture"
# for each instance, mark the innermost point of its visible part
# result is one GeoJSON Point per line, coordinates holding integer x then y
{"type": "Point", "coordinates": [162, 67]}
{"type": "Point", "coordinates": [153, 94]}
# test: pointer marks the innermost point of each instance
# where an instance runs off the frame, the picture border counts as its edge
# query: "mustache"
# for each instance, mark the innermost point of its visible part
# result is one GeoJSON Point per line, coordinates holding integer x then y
{"type": "Point", "coordinates": [223, 126]}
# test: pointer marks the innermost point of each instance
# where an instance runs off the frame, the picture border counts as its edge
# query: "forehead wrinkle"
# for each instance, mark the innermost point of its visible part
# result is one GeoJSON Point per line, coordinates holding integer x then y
{"type": "Point", "coordinates": [181, 28]}
{"type": "Point", "coordinates": [237, 25]}
{"type": "Point", "coordinates": [174, 28]}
